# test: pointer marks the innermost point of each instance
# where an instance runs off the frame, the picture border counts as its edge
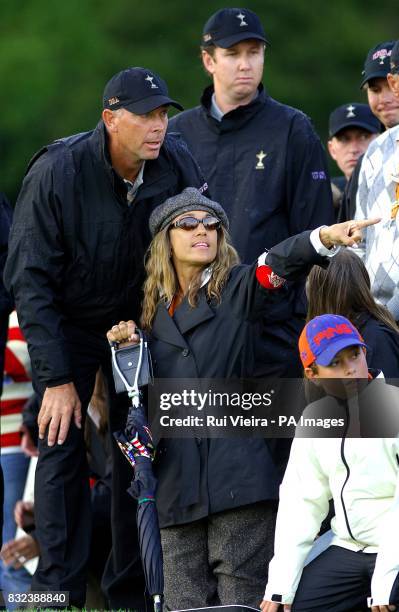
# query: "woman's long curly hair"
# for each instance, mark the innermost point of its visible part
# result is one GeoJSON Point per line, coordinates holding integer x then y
{"type": "Point", "coordinates": [162, 283]}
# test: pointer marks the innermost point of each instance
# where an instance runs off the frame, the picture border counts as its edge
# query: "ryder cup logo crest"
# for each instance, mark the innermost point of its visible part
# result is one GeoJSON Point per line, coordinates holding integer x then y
{"type": "Point", "coordinates": [260, 157]}
{"type": "Point", "coordinates": [242, 19]}
{"type": "Point", "coordinates": [150, 80]}
{"type": "Point", "coordinates": [381, 54]}
{"type": "Point", "coordinates": [350, 110]}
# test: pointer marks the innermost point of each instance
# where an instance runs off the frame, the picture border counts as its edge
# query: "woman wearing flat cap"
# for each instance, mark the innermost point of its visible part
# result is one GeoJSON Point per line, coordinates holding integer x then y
{"type": "Point", "coordinates": [216, 497]}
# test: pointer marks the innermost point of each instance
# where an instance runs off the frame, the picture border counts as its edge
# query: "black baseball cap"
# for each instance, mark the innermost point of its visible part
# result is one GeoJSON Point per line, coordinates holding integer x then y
{"type": "Point", "coordinates": [138, 90]}
{"type": "Point", "coordinates": [353, 114]}
{"type": "Point", "coordinates": [394, 59]}
{"type": "Point", "coordinates": [377, 62]}
{"type": "Point", "coordinates": [229, 26]}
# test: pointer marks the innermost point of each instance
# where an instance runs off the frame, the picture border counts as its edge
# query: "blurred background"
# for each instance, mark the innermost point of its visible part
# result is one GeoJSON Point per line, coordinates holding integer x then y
{"type": "Point", "coordinates": [56, 57]}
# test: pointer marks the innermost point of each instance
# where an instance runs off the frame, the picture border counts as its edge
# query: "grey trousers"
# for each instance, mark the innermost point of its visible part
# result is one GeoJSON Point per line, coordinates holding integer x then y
{"type": "Point", "coordinates": [221, 559]}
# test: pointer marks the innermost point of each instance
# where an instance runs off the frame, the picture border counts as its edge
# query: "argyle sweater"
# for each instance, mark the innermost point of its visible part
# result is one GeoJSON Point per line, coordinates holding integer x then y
{"type": "Point", "coordinates": [376, 196]}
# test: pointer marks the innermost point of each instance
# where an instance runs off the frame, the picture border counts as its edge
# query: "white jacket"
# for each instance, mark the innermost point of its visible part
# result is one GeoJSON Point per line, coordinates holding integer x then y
{"type": "Point", "coordinates": [361, 475]}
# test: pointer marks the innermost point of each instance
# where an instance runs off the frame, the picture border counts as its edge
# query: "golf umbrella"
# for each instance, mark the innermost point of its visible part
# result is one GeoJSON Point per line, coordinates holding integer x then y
{"type": "Point", "coordinates": [136, 444]}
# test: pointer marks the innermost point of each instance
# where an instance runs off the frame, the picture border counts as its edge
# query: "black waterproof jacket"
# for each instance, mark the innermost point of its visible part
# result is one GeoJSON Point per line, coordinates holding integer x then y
{"type": "Point", "coordinates": [266, 198]}
{"type": "Point", "coordinates": [198, 477]}
{"type": "Point", "coordinates": [76, 249]}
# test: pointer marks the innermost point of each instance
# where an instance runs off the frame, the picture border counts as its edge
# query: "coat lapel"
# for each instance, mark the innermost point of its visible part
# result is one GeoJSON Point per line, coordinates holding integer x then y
{"type": "Point", "coordinates": [164, 328]}
{"type": "Point", "coordinates": [187, 318]}
{"type": "Point", "coordinates": [172, 330]}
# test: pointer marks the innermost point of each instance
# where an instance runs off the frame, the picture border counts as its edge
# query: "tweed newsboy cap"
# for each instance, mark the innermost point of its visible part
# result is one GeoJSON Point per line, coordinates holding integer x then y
{"type": "Point", "coordinates": [186, 201]}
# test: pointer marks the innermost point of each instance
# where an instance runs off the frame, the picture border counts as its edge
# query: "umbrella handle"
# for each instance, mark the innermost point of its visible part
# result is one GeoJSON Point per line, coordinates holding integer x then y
{"type": "Point", "coordinates": [157, 603]}
{"type": "Point", "coordinates": [132, 390]}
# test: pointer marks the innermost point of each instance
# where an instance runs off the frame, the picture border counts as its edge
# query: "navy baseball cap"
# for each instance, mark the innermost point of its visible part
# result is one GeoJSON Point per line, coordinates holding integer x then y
{"type": "Point", "coordinates": [230, 26]}
{"type": "Point", "coordinates": [394, 60]}
{"type": "Point", "coordinates": [353, 114]}
{"type": "Point", "coordinates": [324, 336]}
{"type": "Point", "coordinates": [138, 90]}
{"type": "Point", "coordinates": [377, 62]}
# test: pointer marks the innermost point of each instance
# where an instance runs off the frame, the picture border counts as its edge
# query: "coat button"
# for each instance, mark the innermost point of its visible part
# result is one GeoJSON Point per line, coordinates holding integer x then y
{"type": "Point", "coordinates": [185, 352]}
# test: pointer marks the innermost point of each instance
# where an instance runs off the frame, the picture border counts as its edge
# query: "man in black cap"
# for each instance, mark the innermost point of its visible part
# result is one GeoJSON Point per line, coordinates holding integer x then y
{"type": "Point", "coordinates": [383, 104]}
{"type": "Point", "coordinates": [351, 128]}
{"type": "Point", "coordinates": [75, 266]}
{"type": "Point", "coordinates": [262, 160]}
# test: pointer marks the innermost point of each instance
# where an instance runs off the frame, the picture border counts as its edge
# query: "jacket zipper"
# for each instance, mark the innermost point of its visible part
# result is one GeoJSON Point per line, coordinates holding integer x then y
{"type": "Point", "coordinates": [347, 473]}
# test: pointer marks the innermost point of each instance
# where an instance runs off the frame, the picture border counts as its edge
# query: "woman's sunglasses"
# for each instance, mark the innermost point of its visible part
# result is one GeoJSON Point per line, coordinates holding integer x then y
{"type": "Point", "coordinates": [191, 223]}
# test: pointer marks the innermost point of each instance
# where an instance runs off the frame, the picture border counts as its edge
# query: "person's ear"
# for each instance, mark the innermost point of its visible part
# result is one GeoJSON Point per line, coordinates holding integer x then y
{"type": "Point", "coordinates": [208, 62]}
{"type": "Point", "coordinates": [393, 82]}
{"type": "Point", "coordinates": [110, 120]}
{"type": "Point", "coordinates": [331, 148]}
{"type": "Point", "coordinates": [310, 374]}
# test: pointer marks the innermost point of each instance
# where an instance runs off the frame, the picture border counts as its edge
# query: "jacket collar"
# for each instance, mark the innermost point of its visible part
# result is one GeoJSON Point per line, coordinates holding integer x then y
{"type": "Point", "coordinates": [172, 329]}
{"type": "Point", "coordinates": [155, 170]}
{"type": "Point", "coordinates": [187, 317]}
{"type": "Point", "coordinates": [205, 278]}
{"type": "Point", "coordinates": [164, 328]}
{"type": "Point", "coordinates": [376, 373]}
{"type": "Point", "coordinates": [236, 118]}
{"type": "Point", "coordinates": [99, 142]}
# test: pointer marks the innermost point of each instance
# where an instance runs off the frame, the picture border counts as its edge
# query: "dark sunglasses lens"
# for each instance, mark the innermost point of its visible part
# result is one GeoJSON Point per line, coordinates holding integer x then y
{"type": "Point", "coordinates": [188, 223]}
{"type": "Point", "coordinates": [211, 223]}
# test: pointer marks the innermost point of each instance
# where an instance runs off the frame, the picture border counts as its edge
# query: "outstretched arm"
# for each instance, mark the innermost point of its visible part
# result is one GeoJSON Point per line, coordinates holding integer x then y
{"type": "Point", "coordinates": [293, 258]}
{"type": "Point", "coordinates": [348, 233]}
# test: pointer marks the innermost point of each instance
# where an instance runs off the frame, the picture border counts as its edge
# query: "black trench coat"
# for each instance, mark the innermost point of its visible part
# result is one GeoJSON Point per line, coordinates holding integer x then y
{"type": "Point", "coordinates": [198, 477]}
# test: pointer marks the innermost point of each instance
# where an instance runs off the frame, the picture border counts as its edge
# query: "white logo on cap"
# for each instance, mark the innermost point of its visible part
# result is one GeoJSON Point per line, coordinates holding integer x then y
{"type": "Point", "coordinates": [350, 110]}
{"type": "Point", "coordinates": [150, 80]}
{"type": "Point", "coordinates": [241, 17]}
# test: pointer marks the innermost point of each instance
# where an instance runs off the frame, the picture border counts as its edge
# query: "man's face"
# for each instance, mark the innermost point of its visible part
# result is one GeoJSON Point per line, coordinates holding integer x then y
{"type": "Point", "coordinates": [347, 146]}
{"type": "Point", "coordinates": [140, 137]}
{"type": "Point", "coordinates": [236, 71]}
{"type": "Point", "coordinates": [383, 102]}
